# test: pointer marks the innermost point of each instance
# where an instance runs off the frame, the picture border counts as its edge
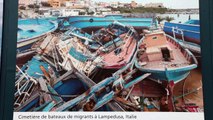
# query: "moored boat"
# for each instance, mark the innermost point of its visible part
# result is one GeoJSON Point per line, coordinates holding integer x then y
{"type": "Point", "coordinates": [189, 31]}
{"type": "Point", "coordinates": [164, 58]}
{"type": "Point", "coordinates": [84, 22]}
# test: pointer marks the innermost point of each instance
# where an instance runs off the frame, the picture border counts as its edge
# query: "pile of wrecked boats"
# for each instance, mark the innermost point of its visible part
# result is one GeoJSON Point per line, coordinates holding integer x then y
{"type": "Point", "coordinates": [112, 69]}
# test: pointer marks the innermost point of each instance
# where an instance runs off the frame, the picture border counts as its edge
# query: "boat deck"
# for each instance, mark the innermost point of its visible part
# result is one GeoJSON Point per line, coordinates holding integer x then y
{"type": "Point", "coordinates": [118, 60]}
{"type": "Point", "coordinates": [178, 61]}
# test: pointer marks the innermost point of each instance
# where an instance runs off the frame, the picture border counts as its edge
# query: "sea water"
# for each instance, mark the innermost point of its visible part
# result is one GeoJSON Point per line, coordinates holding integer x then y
{"type": "Point", "coordinates": [181, 18]}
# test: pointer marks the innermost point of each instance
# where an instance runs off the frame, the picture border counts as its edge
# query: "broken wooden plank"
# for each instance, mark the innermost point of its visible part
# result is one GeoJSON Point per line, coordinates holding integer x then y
{"type": "Point", "coordinates": [44, 87]}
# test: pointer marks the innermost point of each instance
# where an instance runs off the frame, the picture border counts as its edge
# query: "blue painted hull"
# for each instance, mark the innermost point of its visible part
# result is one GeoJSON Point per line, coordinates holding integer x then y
{"type": "Point", "coordinates": [191, 32]}
{"type": "Point", "coordinates": [91, 21]}
{"type": "Point", "coordinates": [69, 87]}
{"type": "Point", "coordinates": [23, 48]}
{"type": "Point", "coordinates": [32, 104]}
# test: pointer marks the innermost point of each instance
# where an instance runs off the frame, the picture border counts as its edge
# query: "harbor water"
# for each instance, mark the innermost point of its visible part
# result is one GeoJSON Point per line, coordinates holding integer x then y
{"type": "Point", "coordinates": [181, 17]}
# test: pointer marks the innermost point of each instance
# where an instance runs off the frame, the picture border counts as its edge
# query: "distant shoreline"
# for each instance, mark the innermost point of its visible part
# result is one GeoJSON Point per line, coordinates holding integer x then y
{"type": "Point", "coordinates": [157, 10]}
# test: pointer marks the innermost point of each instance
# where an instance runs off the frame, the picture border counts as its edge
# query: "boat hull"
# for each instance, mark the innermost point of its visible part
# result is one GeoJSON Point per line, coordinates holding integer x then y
{"type": "Point", "coordinates": [33, 30]}
{"type": "Point", "coordinates": [69, 87]}
{"type": "Point", "coordinates": [175, 75]}
{"type": "Point", "coordinates": [91, 21]}
{"type": "Point", "coordinates": [191, 32]}
{"type": "Point", "coordinates": [27, 44]}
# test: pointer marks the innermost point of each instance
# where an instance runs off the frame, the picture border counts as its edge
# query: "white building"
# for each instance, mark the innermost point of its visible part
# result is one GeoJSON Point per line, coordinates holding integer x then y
{"type": "Point", "coordinates": [140, 4]}
{"type": "Point", "coordinates": [114, 4]}
{"type": "Point", "coordinates": [69, 3]}
{"type": "Point", "coordinates": [70, 12]}
{"type": "Point", "coordinates": [30, 2]}
{"type": "Point", "coordinates": [77, 3]}
{"type": "Point", "coordinates": [26, 2]}
{"type": "Point", "coordinates": [64, 12]}
{"type": "Point", "coordinates": [87, 3]}
{"type": "Point", "coordinates": [100, 9]}
{"type": "Point", "coordinates": [121, 4]}
{"type": "Point", "coordinates": [154, 5]}
{"type": "Point", "coordinates": [55, 12]}
{"type": "Point", "coordinates": [45, 11]}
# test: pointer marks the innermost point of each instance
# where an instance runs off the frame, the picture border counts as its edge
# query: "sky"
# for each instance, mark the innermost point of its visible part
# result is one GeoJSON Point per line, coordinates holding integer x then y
{"type": "Point", "coordinates": [176, 4]}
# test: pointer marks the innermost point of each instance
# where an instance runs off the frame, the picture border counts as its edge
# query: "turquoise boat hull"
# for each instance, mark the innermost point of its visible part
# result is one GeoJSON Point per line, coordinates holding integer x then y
{"type": "Point", "coordinates": [33, 30]}
{"type": "Point", "coordinates": [92, 21]}
{"type": "Point", "coordinates": [175, 75]}
{"type": "Point", "coordinates": [171, 74]}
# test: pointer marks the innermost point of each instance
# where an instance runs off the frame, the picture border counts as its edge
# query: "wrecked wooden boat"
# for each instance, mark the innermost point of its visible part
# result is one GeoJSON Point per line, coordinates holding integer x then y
{"type": "Point", "coordinates": [109, 48]}
{"type": "Point", "coordinates": [38, 84]}
{"type": "Point", "coordinates": [118, 45]}
{"type": "Point", "coordinates": [39, 89]}
{"type": "Point", "coordinates": [117, 87]}
{"type": "Point", "coordinates": [72, 50]}
{"type": "Point", "coordinates": [162, 56]}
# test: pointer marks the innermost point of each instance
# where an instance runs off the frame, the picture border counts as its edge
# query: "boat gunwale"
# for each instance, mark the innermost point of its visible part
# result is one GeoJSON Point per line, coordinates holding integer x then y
{"type": "Point", "coordinates": [184, 24]}
{"type": "Point", "coordinates": [185, 68]}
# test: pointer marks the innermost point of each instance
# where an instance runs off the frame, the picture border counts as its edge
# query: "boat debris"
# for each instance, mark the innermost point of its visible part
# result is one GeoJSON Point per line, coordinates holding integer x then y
{"type": "Point", "coordinates": [63, 72]}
